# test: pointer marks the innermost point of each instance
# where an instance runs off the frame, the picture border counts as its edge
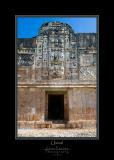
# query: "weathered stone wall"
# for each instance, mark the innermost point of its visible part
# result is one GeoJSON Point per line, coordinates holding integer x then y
{"type": "Point", "coordinates": [79, 103]}
{"type": "Point", "coordinates": [30, 104]}
{"type": "Point", "coordinates": [82, 103]}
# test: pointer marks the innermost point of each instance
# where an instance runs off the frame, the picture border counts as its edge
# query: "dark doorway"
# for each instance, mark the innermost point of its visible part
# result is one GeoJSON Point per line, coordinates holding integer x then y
{"type": "Point", "coordinates": [56, 107]}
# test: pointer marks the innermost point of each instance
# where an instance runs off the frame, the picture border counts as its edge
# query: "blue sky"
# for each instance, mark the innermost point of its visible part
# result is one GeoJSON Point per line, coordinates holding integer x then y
{"type": "Point", "coordinates": [28, 27]}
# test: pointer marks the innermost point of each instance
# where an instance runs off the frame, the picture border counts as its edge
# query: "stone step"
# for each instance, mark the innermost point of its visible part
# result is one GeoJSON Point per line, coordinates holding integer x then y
{"type": "Point", "coordinates": [58, 125]}
{"type": "Point", "coordinates": [58, 122]}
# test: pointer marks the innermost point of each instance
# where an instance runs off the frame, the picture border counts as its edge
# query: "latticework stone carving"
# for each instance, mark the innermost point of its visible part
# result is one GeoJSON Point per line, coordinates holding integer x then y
{"type": "Point", "coordinates": [87, 73]}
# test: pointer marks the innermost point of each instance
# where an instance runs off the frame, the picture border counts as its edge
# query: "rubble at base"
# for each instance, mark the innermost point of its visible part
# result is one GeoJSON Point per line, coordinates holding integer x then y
{"type": "Point", "coordinates": [44, 132]}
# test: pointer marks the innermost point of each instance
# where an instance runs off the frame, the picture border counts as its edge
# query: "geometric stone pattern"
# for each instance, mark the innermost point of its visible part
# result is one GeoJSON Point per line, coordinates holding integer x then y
{"type": "Point", "coordinates": [57, 53]}
{"type": "Point", "coordinates": [88, 73]}
{"type": "Point", "coordinates": [25, 59]}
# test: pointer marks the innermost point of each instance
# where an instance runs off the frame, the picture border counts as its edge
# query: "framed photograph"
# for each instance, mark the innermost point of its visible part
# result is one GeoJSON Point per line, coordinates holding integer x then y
{"type": "Point", "coordinates": [57, 77]}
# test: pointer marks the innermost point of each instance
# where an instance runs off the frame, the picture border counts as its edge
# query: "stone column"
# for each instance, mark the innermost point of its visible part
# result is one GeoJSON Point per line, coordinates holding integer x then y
{"type": "Point", "coordinates": [70, 101]}
{"type": "Point", "coordinates": [42, 104]}
{"type": "Point", "coordinates": [27, 74]}
{"type": "Point", "coordinates": [66, 109]}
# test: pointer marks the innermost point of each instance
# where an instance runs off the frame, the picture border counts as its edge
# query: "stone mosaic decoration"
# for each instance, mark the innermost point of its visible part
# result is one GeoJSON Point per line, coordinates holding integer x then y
{"type": "Point", "coordinates": [88, 73]}
{"type": "Point", "coordinates": [59, 53]}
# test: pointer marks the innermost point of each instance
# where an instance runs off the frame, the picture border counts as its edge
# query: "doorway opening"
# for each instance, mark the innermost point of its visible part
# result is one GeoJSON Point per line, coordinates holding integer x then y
{"type": "Point", "coordinates": [55, 107]}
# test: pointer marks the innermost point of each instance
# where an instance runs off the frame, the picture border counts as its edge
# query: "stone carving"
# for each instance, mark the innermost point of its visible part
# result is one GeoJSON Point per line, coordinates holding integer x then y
{"type": "Point", "coordinates": [63, 53]}
{"type": "Point", "coordinates": [56, 57]}
{"type": "Point", "coordinates": [57, 71]}
{"type": "Point", "coordinates": [86, 59]}
{"type": "Point", "coordinates": [38, 64]}
{"type": "Point", "coordinates": [25, 59]}
{"type": "Point", "coordinates": [87, 73]}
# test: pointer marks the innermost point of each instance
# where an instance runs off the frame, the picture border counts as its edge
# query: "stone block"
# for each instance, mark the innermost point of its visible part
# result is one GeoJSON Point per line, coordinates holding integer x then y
{"type": "Point", "coordinates": [80, 125]}
{"type": "Point", "coordinates": [42, 126]}
{"type": "Point", "coordinates": [67, 125]}
{"type": "Point", "coordinates": [22, 124]}
{"type": "Point", "coordinates": [48, 126]}
{"type": "Point", "coordinates": [58, 126]}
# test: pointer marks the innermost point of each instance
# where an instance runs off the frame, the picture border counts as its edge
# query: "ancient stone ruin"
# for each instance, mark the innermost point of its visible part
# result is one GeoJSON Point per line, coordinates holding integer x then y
{"type": "Point", "coordinates": [56, 78]}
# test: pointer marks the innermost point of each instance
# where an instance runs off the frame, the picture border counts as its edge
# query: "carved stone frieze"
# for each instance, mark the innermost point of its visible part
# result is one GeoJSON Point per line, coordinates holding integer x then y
{"type": "Point", "coordinates": [58, 52]}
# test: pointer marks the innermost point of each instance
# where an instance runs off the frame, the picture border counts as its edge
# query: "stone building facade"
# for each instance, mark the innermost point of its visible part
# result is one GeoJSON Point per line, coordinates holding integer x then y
{"type": "Point", "coordinates": [56, 78]}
